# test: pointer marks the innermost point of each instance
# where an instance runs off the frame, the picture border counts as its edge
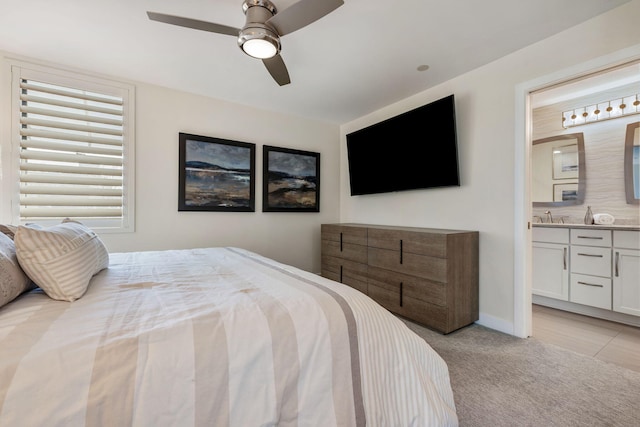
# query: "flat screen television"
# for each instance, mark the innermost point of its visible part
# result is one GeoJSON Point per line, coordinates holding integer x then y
{"type": "Point", "coordinates": [414, 150]}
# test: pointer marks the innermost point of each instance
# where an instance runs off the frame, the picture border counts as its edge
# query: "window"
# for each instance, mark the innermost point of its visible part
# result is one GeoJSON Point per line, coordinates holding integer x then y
{"type": "Point", "coordinates": [72, 149]}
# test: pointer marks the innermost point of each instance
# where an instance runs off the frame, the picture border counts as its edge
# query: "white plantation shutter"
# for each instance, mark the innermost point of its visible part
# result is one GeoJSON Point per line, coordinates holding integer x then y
{"type": "Point", "coordinates": [74, 148]}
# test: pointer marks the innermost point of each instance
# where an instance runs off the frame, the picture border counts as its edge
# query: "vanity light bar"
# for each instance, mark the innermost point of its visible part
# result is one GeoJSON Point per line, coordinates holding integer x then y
{"type": "Point", "coordinates": [603, 111]}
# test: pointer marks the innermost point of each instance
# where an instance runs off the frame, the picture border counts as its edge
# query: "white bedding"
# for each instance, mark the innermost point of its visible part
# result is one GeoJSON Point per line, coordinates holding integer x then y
{"type": "Point", "coordinates": [216, 337]}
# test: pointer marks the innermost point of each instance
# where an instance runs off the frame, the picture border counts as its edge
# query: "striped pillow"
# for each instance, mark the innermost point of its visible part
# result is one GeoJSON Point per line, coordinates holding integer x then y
{"type": "Point", "coordinates": [61, 259]}
{"type": "Point", "coordinates": [13, 281]}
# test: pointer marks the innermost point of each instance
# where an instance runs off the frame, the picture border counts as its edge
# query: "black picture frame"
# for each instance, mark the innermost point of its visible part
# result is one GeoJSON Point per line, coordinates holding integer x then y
{"type": "Point", "coordinates": [216, 174]}
{"type": "Point", "coordinates": [291, 180]}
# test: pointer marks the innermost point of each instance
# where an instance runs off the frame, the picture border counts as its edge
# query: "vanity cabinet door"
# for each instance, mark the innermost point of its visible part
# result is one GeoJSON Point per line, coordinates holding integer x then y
{"type": "Point", "coordinates": [626, 281]}
{"type": "Point", "coordinates": [551, 270]}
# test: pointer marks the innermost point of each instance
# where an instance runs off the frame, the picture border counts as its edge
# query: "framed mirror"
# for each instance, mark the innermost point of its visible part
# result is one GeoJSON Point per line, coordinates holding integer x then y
{"type": "Point", "coordinates": [558, 171]}
{"type": "Point", "coordinates": [632, 163]}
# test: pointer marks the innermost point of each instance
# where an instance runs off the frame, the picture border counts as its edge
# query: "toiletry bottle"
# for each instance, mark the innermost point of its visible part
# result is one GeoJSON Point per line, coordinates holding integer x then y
{"type": "Point", "coordinates": [588, 218]}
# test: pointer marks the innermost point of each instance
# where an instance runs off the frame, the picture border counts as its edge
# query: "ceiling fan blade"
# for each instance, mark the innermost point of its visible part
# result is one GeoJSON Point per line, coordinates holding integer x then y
{"type": "Point", "coordinates": [277, 69]}
{"type": "Point", "coordinates": [301, 14]}
{"type": "Point", "coordinates": [194, 23]}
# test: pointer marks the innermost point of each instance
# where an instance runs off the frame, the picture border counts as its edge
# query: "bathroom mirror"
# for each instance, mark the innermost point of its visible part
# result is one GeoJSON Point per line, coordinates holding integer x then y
{"type": "Point", "coordinates": [558, 171]}
{"type": "Point", "coordinates": [632, 163]}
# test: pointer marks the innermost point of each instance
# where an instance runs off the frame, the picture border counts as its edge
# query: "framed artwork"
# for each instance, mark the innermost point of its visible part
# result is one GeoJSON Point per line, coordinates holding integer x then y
{"type": "Point", "coordinates": [216, 174]}
{"type": "Point", "coordinates": [291, 180]}
{"type": "Point", "coordinates": [565, 162]}
{"type": "Point", "coordinates": [565, 192]}
{"type": "Point", "coordinates": [632, 164]}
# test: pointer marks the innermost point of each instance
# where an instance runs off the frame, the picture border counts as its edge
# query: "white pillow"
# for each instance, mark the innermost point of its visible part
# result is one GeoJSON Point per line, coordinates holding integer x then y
{"type": "Point", "coordinates": [13, 281]}
{"type": "Point", "coordinates": [61, 259]}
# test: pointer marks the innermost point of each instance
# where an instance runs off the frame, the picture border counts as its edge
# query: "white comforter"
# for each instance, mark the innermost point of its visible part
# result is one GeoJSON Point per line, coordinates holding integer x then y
{"type": "Point", "coordinates": [216, 337]}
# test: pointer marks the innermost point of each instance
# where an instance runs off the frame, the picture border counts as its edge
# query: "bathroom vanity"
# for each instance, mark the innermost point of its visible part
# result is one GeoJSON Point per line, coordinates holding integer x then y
{"type": "Point", "coordinates": [588, 269]}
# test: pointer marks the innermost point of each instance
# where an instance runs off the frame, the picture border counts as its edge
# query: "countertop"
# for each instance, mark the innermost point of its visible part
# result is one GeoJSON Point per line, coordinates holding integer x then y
{"type": "Point", "coordinates": [625, 227]}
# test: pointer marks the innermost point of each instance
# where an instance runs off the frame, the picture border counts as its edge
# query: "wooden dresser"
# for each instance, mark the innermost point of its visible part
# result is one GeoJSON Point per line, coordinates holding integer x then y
{"type": "Point", "coordinates": [426, 275]}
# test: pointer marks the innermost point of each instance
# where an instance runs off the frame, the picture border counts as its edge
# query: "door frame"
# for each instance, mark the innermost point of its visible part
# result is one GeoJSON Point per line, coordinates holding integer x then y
{"type": "Point", "coordinates": [522, 304]}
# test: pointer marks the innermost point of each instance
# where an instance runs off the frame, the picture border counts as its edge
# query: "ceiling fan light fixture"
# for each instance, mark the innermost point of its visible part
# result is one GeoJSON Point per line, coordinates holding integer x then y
{"type": "Point", "coordinates": [259, 42]}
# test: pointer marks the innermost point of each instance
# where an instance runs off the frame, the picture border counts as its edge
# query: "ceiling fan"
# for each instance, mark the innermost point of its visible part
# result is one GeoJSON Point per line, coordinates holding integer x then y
{"type": "Point", "coordinates": [260, 36]}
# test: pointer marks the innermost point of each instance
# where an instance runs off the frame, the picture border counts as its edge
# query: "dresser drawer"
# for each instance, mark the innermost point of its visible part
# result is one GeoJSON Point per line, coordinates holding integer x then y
{"type": "Point", "coordinates": [350, 251]}
{"type": "Point", "coordinates": [412, 286]}
{"type": "Point", "coordinates": [430, 244]}
{"type": "Point", "coordinates": [427, 267]}
{"type": "Point", "coordinates": [626, 239]}
{"type": "Point", "coordinates": [591, 260]}
{"type": "Point", "coordinates": [585, 237]}
{"type": "Point", "coordinates": [550, 235]}
{"type": "Point", "coordinates": [344, 234]}
{"type": "Point", "coordinates": [435, 316]}
{"type": "Point", "coordinates": [591, 290]}
{"type": "Point", "coordinates": [344, 271]}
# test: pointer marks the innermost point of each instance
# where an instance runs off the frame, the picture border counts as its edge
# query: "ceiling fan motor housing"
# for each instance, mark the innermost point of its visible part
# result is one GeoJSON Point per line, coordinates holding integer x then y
{"type": "Point", "coordinates": [257, 13]}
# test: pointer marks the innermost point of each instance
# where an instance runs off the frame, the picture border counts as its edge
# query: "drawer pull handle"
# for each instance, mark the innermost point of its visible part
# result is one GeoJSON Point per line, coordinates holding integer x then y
{"type": "Point", "coordinates": [400, 251]}
{"type": "Point", "coordinates": [617, 262]}
{"type": "Point", "coordinates": [591, 284]}
{"type": "Point", "coordinates": [564, 258]}
{"type": "Point", "coordinates": [591, 255]}
{"type": "Point", "coordinates": [340, 242]}
{"type": "Point", "coordinates": [340, 274]}
{"type": "Point", "coordinates": [401, 294]}
{"type": "Point", "coordinates": [590, 237]}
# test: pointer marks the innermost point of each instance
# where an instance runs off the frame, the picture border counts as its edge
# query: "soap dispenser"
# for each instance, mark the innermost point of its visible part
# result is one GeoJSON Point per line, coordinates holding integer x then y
{"type": "Point", "coordinates": [588, 217]}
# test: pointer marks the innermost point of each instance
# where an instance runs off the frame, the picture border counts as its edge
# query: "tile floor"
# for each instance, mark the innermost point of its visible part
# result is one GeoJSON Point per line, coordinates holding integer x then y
{"type": "Point", "coordinates": [608, 341]}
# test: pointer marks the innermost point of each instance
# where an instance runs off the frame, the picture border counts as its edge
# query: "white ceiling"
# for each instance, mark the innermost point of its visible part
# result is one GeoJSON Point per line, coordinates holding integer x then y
{"type": "Point", "coordinates": [359, 58]}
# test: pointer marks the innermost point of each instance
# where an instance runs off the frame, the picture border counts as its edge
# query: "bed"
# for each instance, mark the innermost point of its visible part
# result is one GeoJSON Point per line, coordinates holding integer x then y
{"type": "Point", "coordinates": [211, 336]}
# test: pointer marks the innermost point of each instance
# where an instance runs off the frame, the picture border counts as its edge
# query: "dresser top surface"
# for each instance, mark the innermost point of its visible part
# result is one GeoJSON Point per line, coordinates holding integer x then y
{"type": "Point", "coordinates": [402, 228]}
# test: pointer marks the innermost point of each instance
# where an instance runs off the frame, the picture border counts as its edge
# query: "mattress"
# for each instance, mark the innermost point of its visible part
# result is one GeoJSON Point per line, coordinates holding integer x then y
{"type": "Point", "coordinates": [216, 337]}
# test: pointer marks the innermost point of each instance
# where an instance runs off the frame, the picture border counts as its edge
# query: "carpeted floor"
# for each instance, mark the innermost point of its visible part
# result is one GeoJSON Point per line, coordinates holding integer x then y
{"type": "Point", "coordinates": [501, 380]}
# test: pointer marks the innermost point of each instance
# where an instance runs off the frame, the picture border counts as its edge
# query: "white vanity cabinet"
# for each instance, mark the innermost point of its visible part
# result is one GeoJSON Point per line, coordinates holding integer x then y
{"type": "Point", "coordinates": [551, 262]}
{"type": "Point", "coordinates": [590, 271]}
{"type": "Point", "coordinates": [626, 272]}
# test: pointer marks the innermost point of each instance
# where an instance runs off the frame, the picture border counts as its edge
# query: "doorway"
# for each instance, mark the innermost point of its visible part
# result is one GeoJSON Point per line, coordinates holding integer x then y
{"type": "Point", "coordinates": [528, 95]}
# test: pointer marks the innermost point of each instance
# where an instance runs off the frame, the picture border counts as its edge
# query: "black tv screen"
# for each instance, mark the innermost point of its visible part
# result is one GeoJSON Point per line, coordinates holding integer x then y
{"type": "Point", "coordinates": [414, 150]}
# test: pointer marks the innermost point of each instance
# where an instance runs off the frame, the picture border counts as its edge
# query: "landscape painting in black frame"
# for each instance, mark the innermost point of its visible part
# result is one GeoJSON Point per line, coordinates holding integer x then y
{"type": "Point", "coordinates": [215, 174]}
{"type": "Point", "coordinates": [291, 180]}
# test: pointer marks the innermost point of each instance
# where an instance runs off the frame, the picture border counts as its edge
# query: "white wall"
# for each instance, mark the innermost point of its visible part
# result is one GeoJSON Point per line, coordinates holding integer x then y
{"type": "Point", "coordinates": [293, 238]}
{"type": "Point", "coordinates": [486, 120]}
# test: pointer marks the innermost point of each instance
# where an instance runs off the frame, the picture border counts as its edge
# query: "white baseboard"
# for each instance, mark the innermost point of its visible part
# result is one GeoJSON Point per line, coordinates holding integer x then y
{"type": "Point", "coordinates": [586, 310]}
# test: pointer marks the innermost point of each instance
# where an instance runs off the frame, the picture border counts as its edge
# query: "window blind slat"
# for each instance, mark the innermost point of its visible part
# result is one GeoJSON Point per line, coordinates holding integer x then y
{"type": "Point", "coordinates": [68, 93]}
{"type": "Point", "coordinates": [70, 126]}
{"type": "Point", "coordinates": [70, 212]}
{"type": "Point", "coordinates": [70, 158]}
{"type": "Point", "coordinates": [70, 137]}
{"type": "Point", "coordinates": [69, 179]}
{"type": "Point", "coordinates": [67, 115]}
{"type": "Point", "coordinates": [68, 190]}
{"type": "Point", "coordinates": [74, 148]}
{"type": "Point", "coordinates": [41, 200]}
{"type": "Point", "coordinates": [68, 104]}
{"type": "Point", "coordinates": [62, 169]}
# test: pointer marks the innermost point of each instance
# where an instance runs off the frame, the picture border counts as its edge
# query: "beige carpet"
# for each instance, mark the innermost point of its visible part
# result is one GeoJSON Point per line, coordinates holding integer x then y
{"type": "Point", "coordinates": [501, 380]}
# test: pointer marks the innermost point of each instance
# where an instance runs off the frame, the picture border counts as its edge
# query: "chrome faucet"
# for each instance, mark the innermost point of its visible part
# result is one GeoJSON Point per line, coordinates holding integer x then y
{"type": "Point", "coordinates": [549, 217]}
